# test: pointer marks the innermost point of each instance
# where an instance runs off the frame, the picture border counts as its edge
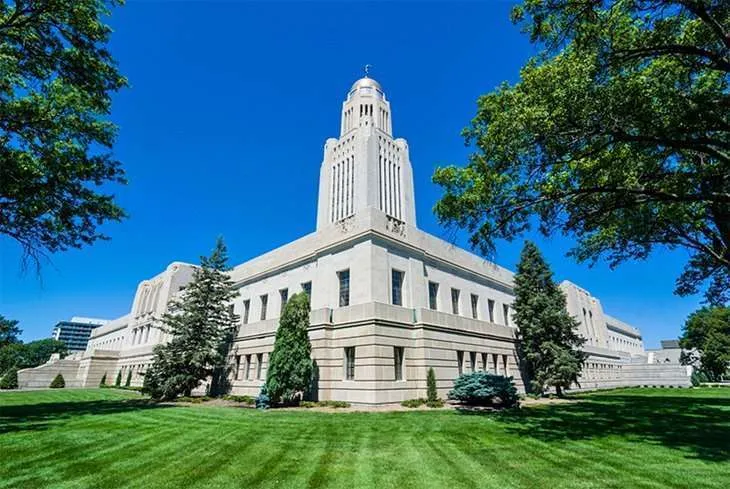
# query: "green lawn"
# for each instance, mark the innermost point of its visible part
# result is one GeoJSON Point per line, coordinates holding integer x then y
{"type": "Point", "coordinates": [624, 439]}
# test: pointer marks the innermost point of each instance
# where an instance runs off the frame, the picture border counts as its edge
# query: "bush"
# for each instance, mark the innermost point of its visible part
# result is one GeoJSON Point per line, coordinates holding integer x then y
{"type": "Point", "coordinates": [698, 377]}
{"type": "Point", "coordinates": [192, 400]}
{"type": "Point", "coordinates": [58, 382]}
{"type": "Point", "coordinates": [431, 392]}
{"type": "Point", "coordinates": [102, 382]}
{"type": "Point", "coordinates": [9, 380]}
{"type": "Point", "coordinates": [484, 389]}
{"type": "Point", "coordinates": [331, 404]}
{"type": "Point", "coordinates": [438, 403]}
{"type": "Point", "coordinates": [118, 382]}
{"type": "Point", "coordinates": [263, 401]}
{"type": "Point", "coordinates": [248, 400]}
{"type": "Point", "coordinates": [129, 378]}
{"type": "Point", "coordinates": [413, 403]}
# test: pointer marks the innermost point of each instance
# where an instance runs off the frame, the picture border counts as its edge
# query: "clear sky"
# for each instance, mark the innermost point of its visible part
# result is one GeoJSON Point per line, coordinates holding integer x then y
{"type": "Point", "coordinates": [222, 131]}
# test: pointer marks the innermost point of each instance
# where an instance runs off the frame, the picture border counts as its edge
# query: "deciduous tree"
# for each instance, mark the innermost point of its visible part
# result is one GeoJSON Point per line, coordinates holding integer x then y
{"type": "Point", "coordinates": [706, 337]}
{"type": "Point", "coordinates": [56, 81]}
{"type": "Point", "coordinates": [618, 133]}
{"type": "Point", "coordinates": [9, 331]}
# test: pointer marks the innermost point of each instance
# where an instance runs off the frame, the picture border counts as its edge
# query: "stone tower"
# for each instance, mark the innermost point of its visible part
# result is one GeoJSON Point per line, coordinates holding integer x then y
{"type": "Point", "coordinates": [365, 166]}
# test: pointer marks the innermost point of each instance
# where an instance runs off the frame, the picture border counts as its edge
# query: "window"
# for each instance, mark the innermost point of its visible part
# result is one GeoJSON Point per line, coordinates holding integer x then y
{"type": "Point", "coordinates": [490, 308]}
{"type": "Point", "coordinates": [350, 363]}
{"type": "Point", "coordinates": [246, 307]}
{"type": "Point", "coordinates": [259, 364]}
{"type": "Point", "coordinates": [344, 277]}
{"type": "Point", "coordinates": [307, 289]}
{"type": "Point", "coordinates": [455, 301]}
{"type": "Point", "coordinates": [248, 367]}
{"type": "Point", "coordinates": [460, 361]}
{"type": "Point", "coordinates": [472, 362]}
{"type": "Point", "coordinates": [505, 311]}
{"type": "Point", "coordinates": [398, 360]}
{"type": "Point", "coordinates": [397, 287]}
{"type": "Point", "coordinates": [264, 303]}
{"type": "Point", "coordinates": [284, 294]}
{"type": "Point", "coordinates": [433, 293]}
{"type": "Point", "coordinates": [238, 367]}
{"type": "Point", "coordinates": [475, 306]}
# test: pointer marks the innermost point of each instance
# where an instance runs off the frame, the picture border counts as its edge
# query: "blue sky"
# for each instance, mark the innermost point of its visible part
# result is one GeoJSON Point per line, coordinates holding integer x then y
{"type": "Point", "coordinates": [222, 130]}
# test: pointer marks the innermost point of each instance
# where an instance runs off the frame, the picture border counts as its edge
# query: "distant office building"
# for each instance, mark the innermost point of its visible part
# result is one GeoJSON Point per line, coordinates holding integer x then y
{"type": "Point", "coordinates": [76, 332]}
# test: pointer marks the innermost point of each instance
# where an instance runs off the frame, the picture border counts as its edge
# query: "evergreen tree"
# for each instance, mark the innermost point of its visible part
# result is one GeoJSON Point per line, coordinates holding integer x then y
{"type": "Point", "coordinates": [129, 379]}
{"type": "Point", "coordinates": [102, 382]}
{"type": "Point", "coordinates": [118, 382]}
{"type": "Point", "coordinates": [431, 392]}
{"type": "Point", "coordinates": [548, 341]}
{"type": "Point", "coordinates": [9, 380]}
{"type": "Point", "coordinates": [290, 364]}
{"type": "Point", "coordinates": [202, 325]}
{"type": "Point", "coordinates": [58, 382]}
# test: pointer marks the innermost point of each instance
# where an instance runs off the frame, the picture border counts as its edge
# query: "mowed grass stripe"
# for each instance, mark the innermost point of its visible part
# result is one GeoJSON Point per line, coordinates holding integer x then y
{"type": "Point", "coordinates": [646, 438]}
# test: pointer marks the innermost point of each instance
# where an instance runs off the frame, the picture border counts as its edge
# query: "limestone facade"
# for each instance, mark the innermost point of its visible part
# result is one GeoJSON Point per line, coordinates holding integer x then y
{"type": "Point", "coordinates": [388, 300]}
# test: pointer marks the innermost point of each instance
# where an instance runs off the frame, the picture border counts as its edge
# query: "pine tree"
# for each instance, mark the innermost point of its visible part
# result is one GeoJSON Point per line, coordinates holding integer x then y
{"type": "Point", "coordinates": [128, 382]}
{"type": "Point", "coordinates": [548, 341]}
{"type": "Point", "coordinates": [202, 325]}
{"type": "Point", "coordinates": [118, 382]}
{"type": "Point", "coordinates": [102, 382]}
{"type": "Point", "coordinates": [290, 364]}
{"type": "Point", "coordinates": [58, 382]}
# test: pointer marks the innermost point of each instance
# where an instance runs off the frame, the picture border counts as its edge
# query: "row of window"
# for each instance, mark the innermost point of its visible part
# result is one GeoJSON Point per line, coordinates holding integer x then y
{"type": "Point", "coordinates": [487, 362]}
{"type": "Point", "coordinates": [433, 292]}
{"type": "Point", "coordinates": [264, 302]}
{"type": "Point", "coordinates": [248, 366]}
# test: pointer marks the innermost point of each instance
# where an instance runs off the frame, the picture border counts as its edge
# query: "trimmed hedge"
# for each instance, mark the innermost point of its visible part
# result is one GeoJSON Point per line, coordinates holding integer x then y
{"type": "Point", "coordinates": [484, 389]}
{"type": "Point", "coordinates": [332, 404]}
{"type": "Point", "coordinates": [58, 382]}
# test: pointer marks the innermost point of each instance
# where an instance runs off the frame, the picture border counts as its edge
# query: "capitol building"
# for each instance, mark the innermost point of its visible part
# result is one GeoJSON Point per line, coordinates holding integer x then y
{"type": "Point", "coordinates": [389, 301]}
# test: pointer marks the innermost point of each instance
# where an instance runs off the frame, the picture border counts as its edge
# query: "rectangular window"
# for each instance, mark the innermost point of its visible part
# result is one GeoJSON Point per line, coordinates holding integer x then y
{"type": "Point", "coordinates": [238, 367]}
{"type": "Point", "coordinates": [455, 301]}
{"type": "Point", "coordinates": [248, 367]}
{"type": "Point", "coordinates": [433, 293]}
{"type": "Point", "coordinates": [490, 308]}
{"type": "Point", "coordinates": [397, 287]}
{"type": "Point", "coordinates": [460, 361]}
{"type": "Point", "coordinates": [344, 278]}
{"type": "Point", "coordinates": [264, 304]}
{"type": "Point", "coordinates": [284, 294]}
{"type": "Point", "coordinates": [505, 311]}
{"type": "Point", "coordinates": [259, 365]}
{"type": "Point", "coordinates": [472, 362]}
{"type": "Point", "coordinates": [350, 363]}
{"type": "Point", "coordinates": [246, 307]}
{"type": "Point", "coordinates": [475, 306]}
{"type": "Point", "coordinates": [307, 289]}
{"type": "Point", "coordinates": [398, 359]}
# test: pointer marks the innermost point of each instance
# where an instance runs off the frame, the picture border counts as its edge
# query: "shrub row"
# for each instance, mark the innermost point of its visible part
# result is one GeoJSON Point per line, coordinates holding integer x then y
{"type": "Point", "coordinates": [332, 404]}
{"type": "Point", "coordinates": [247, 400]}
{"type": "Point", "coordinates": [414, 403]}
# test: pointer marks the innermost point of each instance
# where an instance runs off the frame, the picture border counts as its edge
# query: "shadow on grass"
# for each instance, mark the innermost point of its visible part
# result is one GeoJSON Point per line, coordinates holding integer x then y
{"type": "Point", "coordinates": [699, 426]}
{"type": "Point", "coordinates": [35, 417]}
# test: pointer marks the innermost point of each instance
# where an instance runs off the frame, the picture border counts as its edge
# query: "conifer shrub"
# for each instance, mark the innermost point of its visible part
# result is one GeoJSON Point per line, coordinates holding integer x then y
{"type": "Point", "coordinates": [431, 392]}
{"type": "Point", "coordinates": [438, 403]}
{"type": "Point", "coordinates": [484, 389]}
{"type": "Point", "coordinates": [9, 380]}
{"type": "Point", "coordinates": [102, 382]}
{"type": "Point", "coordinates": [58, 382]}
{"type": "Point", "coordinates": [248, 400]}
{"type": "Point", "coordinates": [263, 401]}
{"type": "Point", "coordinates": [129, 379]}
{"type": "Point", "coordinates": [118, 382]}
